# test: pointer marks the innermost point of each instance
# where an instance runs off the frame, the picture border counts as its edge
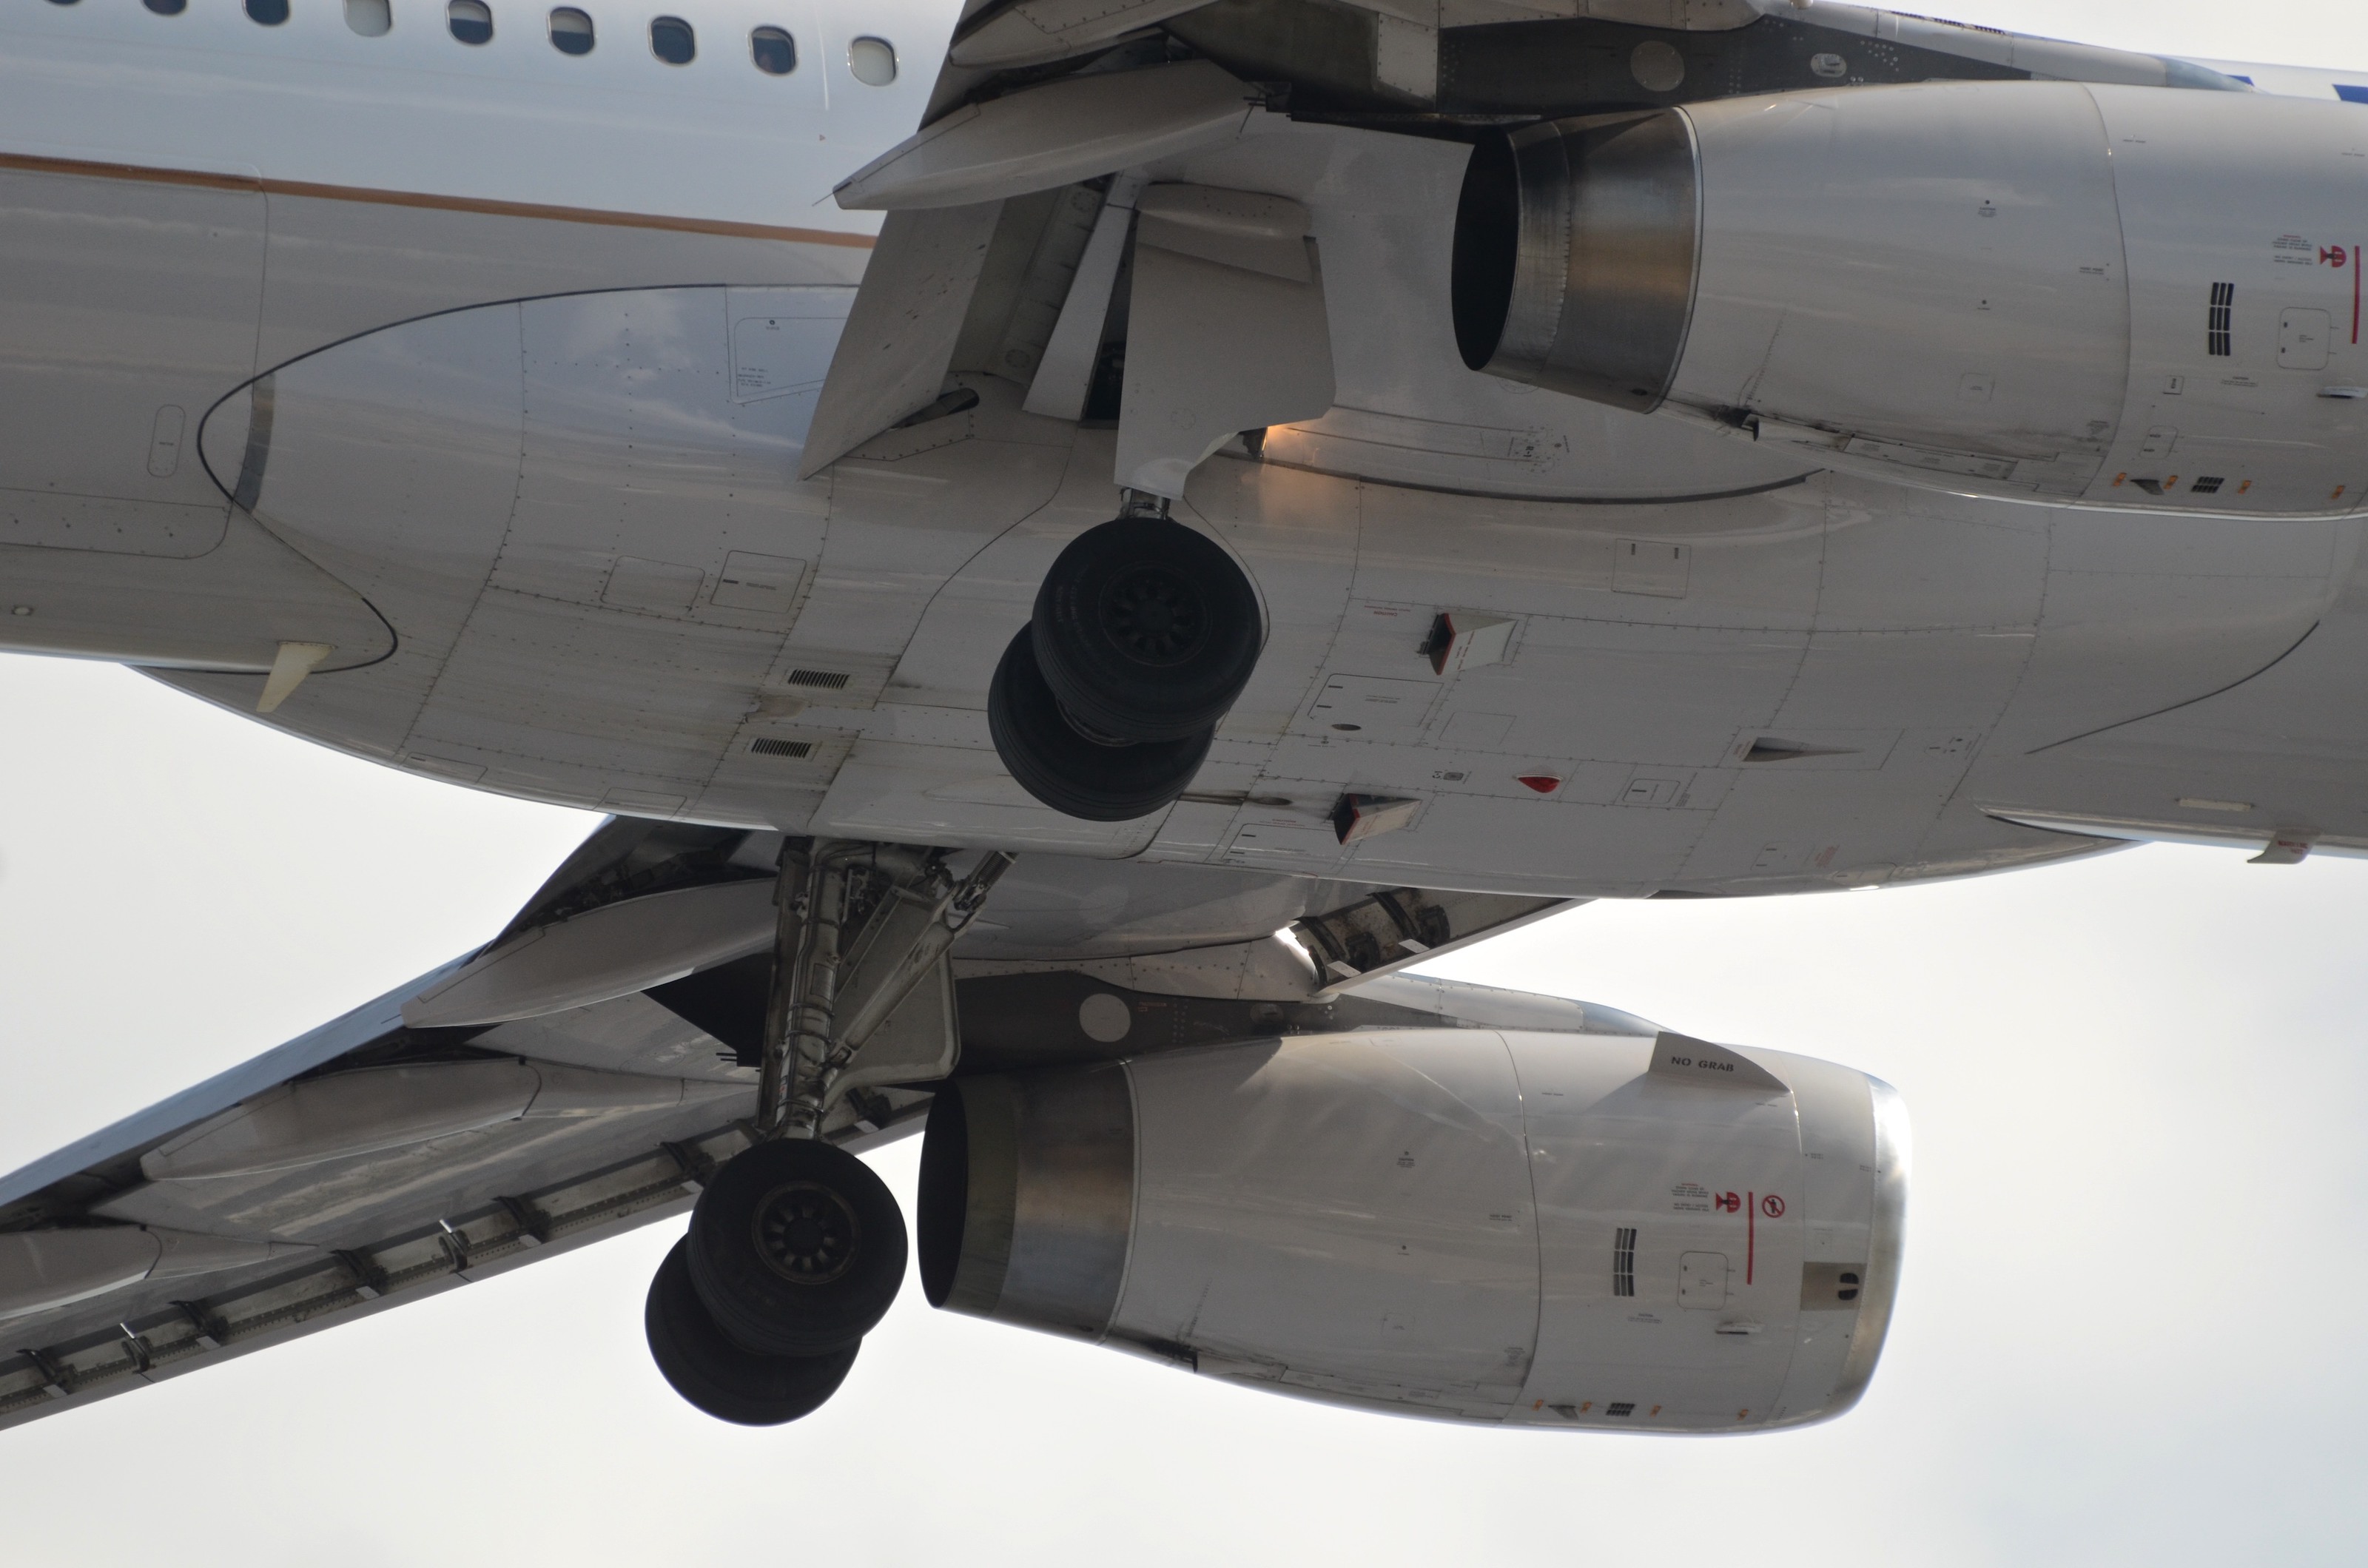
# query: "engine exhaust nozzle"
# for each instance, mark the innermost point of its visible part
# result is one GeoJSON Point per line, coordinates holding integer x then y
{"type": "Point", "coordinates": [1575, 244]}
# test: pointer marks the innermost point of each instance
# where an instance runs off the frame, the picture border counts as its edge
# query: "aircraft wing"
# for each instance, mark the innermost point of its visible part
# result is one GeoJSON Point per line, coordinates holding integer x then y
{"type": "Point", "coordinates": [1048, 118]}
{"type": "Point", "coordinates": [585, 1072]}
{"type": "Point", "coordinates": [360, 1164]}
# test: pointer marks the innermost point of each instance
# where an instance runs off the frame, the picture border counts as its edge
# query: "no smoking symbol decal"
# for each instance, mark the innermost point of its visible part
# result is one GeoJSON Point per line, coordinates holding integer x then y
{"type": "Point", "coordinates": [1773, 1206]}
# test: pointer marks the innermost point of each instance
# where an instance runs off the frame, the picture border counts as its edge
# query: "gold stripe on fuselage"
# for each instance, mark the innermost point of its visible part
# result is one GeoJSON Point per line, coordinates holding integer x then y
{"type": "Point", "coordinates": [145, 174]}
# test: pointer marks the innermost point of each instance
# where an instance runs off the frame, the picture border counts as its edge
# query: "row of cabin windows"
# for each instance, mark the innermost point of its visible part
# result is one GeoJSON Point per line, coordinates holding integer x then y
{"type": "Point", "coordinates": [872, 61]}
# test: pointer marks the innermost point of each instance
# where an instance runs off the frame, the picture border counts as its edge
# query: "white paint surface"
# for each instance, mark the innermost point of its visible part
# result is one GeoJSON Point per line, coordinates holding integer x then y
{"type": "Point", "coordinates": [2143, 1070]}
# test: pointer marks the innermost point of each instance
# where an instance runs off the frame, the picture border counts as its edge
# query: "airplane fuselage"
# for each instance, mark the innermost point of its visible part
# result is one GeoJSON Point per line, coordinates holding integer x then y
{"type": "Point", "coordinates": [486, 369]}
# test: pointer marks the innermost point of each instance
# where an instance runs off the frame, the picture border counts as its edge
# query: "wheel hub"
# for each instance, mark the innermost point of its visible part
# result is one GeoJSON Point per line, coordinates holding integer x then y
{"type": "Point", "coordinates": [806, 1233]}
{"type": "Point", "coordinates": [1154, 616]}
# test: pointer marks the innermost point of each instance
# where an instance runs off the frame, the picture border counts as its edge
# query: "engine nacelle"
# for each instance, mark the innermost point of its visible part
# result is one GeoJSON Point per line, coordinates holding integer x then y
{"type": "Point", "coordinates": [1471, 1224]}
{"type": "Point", "coordinates": [2128, 296]}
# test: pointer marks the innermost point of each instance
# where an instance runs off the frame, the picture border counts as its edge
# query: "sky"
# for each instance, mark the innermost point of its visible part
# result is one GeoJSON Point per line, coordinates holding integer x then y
{"type": "Point", "coordinates": [2127, 1333]}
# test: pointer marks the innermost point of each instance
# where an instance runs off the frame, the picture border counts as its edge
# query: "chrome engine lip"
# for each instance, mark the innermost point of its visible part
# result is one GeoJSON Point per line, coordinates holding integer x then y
{"type": "Point", "coordinates": [1886, 1248]}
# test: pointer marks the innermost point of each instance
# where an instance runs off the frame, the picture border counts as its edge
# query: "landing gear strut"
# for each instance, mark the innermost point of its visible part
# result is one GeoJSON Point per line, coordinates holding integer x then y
{"type": "Point", "coordinates": [796, 1249]}
{"type": "Point", "coordinates": [1144, 634]}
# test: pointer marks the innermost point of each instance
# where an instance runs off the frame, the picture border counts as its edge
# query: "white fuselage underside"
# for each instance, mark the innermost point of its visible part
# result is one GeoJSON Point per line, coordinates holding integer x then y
{"type": "Point", "coordinates": [538, 339]}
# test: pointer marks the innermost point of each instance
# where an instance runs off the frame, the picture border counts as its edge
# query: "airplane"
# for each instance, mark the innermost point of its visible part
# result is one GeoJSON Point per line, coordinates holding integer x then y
{"type": "Point", "coordinates": [1074, 544]}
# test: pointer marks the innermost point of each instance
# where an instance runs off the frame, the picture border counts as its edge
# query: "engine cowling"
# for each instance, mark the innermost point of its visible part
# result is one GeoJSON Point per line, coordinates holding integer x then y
{"type": "Point", "coordinates": [2126, 296]}
{"type": "Point", "coordinates": [1472, 1224]}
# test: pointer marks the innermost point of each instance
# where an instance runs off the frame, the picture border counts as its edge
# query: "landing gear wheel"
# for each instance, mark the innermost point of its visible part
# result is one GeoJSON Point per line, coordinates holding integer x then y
{"type": "Point", "coordinates": [796, 1248]}
{"type": "Point", "coordinates": [1088, 778]}
{"type": "Point", "coordinates": [1146, 630]}
{"type": "Point", "coordinates": [718, 1377]}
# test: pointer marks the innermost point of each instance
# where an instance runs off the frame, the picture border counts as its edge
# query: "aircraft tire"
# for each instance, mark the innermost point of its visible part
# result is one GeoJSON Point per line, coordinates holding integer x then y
{"type": "Point", "coordinates": [1078, 775]}
{"type": "Point", "coordinates": [716, 1376]}
{"type": "Point", "coordinates": [1146, 630]}
{"type": "Point", "coordinates": [796, 1248]}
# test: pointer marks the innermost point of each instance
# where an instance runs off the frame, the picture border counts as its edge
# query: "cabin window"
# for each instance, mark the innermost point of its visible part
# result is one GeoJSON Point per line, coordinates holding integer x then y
{"type": "Point", "coordinates": [371, 19]}
{"type": "Point", "coordinates": [270, 13]}
{"type": "Point", "coordinates": [873, 61]}
{"type": "Point", "coordinates": [671, 40]}
{"type": "Point", "coordinates": [66, 1]}
{"type": "Point", "coordinates": [775, 51]}
{"type": "Point", "coordinates": [472, 21]}
{"type": "Point", "coordinates": [571, 31]}
{"type": "Point", "coordinates": [166, 8]}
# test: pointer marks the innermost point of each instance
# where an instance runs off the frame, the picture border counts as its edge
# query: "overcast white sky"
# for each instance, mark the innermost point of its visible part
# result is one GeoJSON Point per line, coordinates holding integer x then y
{"type": "Point", "coordinates": [2130, 1331]}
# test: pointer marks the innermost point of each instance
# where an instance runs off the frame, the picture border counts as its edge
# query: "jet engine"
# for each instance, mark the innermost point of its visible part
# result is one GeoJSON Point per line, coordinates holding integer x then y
{"type": "Point", "coordinates": [1469, 1224]}
{"type": "Point", "coordinates": [2125, 295]}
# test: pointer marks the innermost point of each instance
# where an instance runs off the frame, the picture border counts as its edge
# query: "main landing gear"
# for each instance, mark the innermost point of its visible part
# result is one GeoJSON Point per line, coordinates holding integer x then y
{"type": "Point", "coordinates": [717, 1374]}
{"type": "Point", "coordinates": [795, 1252]}
{"type": "Point", "coordinates": [796, 1249]}
{"type": "Point", "coordinates": [1142, 635]}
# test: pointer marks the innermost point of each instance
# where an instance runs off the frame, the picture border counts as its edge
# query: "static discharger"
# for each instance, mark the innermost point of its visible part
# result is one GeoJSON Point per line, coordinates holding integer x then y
{"type": "Point", "coordinates": [289, 668]}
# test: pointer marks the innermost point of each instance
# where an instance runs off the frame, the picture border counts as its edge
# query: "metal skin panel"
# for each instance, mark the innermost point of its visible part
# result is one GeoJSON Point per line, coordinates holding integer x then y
{"type": "Point", "coordinates": [1936, 266]}
{"type": "Point", "coordinates": [44, 1270]}
{"type": "Point", "coordinates": [347, 1116]}
{"type": "Point", "coordinates": [625, 1034]}
{"type": "Point", "coordinates": [1032, 33]}
{"type": "Point", "coordinates": [2283, 183]}
{"type": "Point", "coordinates": [227, 608]}
{"type": "Point", "coordinates": [1612, 1151]}
{"type": "Point", "coordinates": [902, 327]}
{"type": "Point", "coordinates": [1050, 135]}
{"type": "Point", "coordinates": [131, 300]}
{"type": "Point", "coordinates": [1214, 349]}
{"type": "Point", "coordinates": [316, 1122]}
{"type": "Point", "coordinates": [1533, 1228]}
{"type": "Point", "coordinates": [1342, 1216]}
{"type": "Point", "coordinates": [312, 1049]}
{"type": "Point", "coordinates": [1984, 284]}
{"type": "Point", "coordinates": [395, 459]}
{"type": "Point", "coordinates": [1409, 411]}
{"type": "Point", "coordinates": [1613, 1147]}
{"type": "Point", "coordinates": [2140, 614]}
{"type": "Point", "coordinates": [610, 951]}
{"type": "Point", "coordinates": [349, 1194]}
{"type": "Point", "coordinates": [661, 723]}
{"type": "Point", "coordinates": [1957, 279]}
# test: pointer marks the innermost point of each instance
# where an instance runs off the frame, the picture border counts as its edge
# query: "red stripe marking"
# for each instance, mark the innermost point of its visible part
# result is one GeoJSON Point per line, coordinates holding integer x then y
{"type": "Point", "coordinates": [2355, 294]}
{"type": "Point", "coordinates": [1750, 1234]}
